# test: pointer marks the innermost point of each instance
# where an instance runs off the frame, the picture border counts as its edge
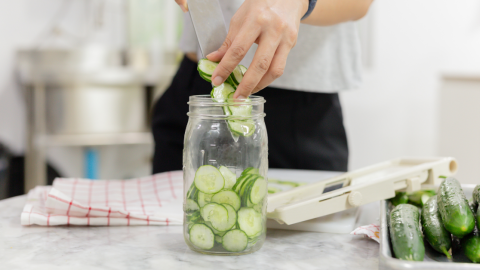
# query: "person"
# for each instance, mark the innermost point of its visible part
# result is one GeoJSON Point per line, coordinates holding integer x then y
{"type": "Point", "coordinates": [299, 53]}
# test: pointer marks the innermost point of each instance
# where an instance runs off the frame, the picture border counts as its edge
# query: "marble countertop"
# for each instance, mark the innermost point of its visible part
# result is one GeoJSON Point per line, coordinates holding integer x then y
{"type": "Point", "coordinates": [163, 247]}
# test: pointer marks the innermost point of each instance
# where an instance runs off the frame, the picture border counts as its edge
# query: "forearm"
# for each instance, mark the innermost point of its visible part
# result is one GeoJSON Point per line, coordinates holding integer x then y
{"type": "Point", "coordinates": [330, 12]}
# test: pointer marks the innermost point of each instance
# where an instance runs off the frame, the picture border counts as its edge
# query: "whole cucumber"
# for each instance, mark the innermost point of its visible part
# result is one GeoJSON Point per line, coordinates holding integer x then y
{"type": "Point", "coordinates": [400, 198]}
{"type": "Point", "coordinates": [433, 230]}
{"type": "Point", "coordinates": [405, 233]}
{"type": "Point", "coordinates": [471, 243]}
{"type": "Point", "coordinates": [476, 195]}
{"type": "Point", "coordinates": [454, 209]}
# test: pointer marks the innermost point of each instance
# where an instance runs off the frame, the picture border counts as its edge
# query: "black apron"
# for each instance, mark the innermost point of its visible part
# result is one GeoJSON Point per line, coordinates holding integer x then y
{"type": "Point", "coordinates": [305, 130]}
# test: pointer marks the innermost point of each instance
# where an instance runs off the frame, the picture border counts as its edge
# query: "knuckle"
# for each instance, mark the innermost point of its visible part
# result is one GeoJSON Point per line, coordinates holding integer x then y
{"type": "Point", "coordinates": [263, 18]}
{"type": "Point", "coordinates": [277, 72]}
{"type": "Point", "coordinates": [238, 53]}
{"type": "Point", "coordinates": [227, 43]}
{"type": "Point", "coordinates": [262, 64]}
{"type": "Point", "coordinates": [223, 70]}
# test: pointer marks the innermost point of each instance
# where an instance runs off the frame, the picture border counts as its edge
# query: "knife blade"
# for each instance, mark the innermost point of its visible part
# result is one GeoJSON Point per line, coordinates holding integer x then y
{"type": "Point", "coordinates": [209, 25]}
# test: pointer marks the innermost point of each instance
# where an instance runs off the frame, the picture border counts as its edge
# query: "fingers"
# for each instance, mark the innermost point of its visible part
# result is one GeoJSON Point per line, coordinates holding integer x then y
{"type": "Point", "coordinates": [235, 53]}
{"type": "Point", "coordinates": [183, 5]}
{"type": "Point", "coordinates": [259, 66]}
{"type": "Point", "coordinates": [276, 69]}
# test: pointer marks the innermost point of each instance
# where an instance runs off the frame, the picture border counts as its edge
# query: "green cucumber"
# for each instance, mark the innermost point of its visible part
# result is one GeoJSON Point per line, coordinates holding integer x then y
{"type": "Point", "coordinates": [240, 110]}
{"type": "Point", "coordinates": [243, 69]}
{"type": "Point", "coordinates": [204, 198]}
{"type": "Point", "coordinates": [208, 179]}
{"type": "Point", "coordinates": [476, 195]}
{"type": "Point", "coordinates": [250, 170]}
{"type": "Point", "coordinates": [217, 215]}
{"type": "Point", "coordinates": [418, 198]}
{"type": "Point", "coordinates": [206, 67]}
{"type": "Point", "coordinates": [433, 230]}
{"type": "Point", "coordinates": [201, 236]}
{"type": "Point", "coordinates": [454, 209]}
{"type": "Point", "coordinates": [405, 233]}
{"type": "Point", "coordinates": [471, 247]}
{"type": "Point", "coordinates": [235, 241]}
{"type": "Point", "coordinates": [400, 198]}
{"type": "Point", "coordinates": [191, 206]}
{"type": "Point", "coordinates": [220, 93]}
{"type": "Point", "coordinates": [250, 221]}
{"type": "Point", "coordinates": [229, 176]}
{"type": "Point", "coordinates": [228, 197]}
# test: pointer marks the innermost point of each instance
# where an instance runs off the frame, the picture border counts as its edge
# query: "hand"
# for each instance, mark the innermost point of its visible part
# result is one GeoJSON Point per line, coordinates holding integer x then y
{"type": "Point", "coordinates": [182, 4]}
{"type": "Point", "coordinates": [273, 25]}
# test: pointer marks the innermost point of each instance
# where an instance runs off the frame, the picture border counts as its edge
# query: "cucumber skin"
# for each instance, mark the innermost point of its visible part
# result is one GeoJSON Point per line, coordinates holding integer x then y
{"type": "Point", "coordinates": [400, 198]}
{"type": "Point", "coordinates": [433, 230]}
{"type": "Point", "coordinates": [471, 247]}
{"type": "Point", "coordinates": [405, 233]}
{"type": "Point", "coordinates": [476, 195]}
{"type": "Point", "coordinates": [454, 208]}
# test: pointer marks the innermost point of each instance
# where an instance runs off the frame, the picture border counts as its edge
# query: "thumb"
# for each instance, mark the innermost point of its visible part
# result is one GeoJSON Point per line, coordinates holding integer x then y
{"type": "Point", "coordinates": [183, 5]}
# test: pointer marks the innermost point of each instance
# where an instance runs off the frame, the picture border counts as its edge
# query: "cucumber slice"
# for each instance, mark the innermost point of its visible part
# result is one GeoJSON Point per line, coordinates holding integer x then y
{"type": "Point", "coordinates": [205, 77]}
{"type": "Point", "coordinates": [220, 93]}
{"type": "Point", "coordinates": [250, 170]}
{"type": "Point", "coordinates": [250, 221]}
{"type": "Point", "coordinates": [217, 215]}
{"type": "Point", "coordinates": [201, 236]}
{"type": "Point", "coordinates": [204, 198]}
{"type": "Point", "coordinates": [191, 206]}
{"type": "Point", "coordinates": [237, 75]}
{"type": "Point", "coordinates": [239, 183]}
{"type": "Point", "coordinates": [206, 67]}
{"type": "Point", "coordinates": [228, 197]}
{"type": "Point", "coordinates": [208, 179]}
{"type": "Point", "coordinates": [192, 192]}
{"type": "Point", "coordinates": [243, 69]}
{"type": "Point", "coordinates": [232, 216]}
{"type": "Point", "coordinates": [242, 127]}
{"type": "Point", "coordinates": [240, 110]}
{"type": "Point", "coordinates": [235, 241]}
{"type": "Point", "coordinates": [195, 217]}
{"type": "Point", "coordinates": [258, 191]}
{"type": "Point", "coordinates": [230, 81]}
{"type": "Point", "coordinates": [229, 177]}
{"type": "Point", "coordinates": [215, 231]}
{"type": "Point", "coordinates": [218, 239]}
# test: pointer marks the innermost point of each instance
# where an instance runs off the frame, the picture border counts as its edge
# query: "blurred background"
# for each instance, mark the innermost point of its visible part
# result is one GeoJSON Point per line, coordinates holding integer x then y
{"type": "Point", "coordinates": [78, 79]}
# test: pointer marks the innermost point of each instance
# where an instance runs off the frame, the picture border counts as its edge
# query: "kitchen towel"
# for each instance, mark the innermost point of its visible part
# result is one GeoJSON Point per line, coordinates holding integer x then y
{"type": "Point", "coordinates": [152, 200]}
{"type": "Point", "coordinates": [371, 231]}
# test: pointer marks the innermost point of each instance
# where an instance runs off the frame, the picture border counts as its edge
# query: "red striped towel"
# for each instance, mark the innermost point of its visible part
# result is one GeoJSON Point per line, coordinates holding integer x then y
{"type": "Point", "coordinates": [152, 200]}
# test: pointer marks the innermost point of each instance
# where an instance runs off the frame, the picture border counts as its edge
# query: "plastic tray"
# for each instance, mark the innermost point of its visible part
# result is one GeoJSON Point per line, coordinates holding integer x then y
{"type": "Point", "coordinates": [432, 260]}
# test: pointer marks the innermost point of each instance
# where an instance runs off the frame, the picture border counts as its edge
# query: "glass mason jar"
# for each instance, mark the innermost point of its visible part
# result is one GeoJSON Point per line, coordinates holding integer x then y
{"type": "Point", "coordinates": [225, 163]}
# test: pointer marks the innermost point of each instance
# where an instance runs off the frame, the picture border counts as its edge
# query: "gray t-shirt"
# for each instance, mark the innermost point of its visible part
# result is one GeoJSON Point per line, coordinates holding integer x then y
{"type": "Point", "coordinates": [325, 59]}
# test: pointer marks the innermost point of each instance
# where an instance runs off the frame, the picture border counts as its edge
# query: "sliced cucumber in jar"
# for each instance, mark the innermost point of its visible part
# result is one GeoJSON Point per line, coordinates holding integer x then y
{"type": "Point", "coordinates": [227, 197]}
{"type": "Point", "coordinates": [191, 206]}
{"type": "Point", "coordinates": [250, 170]}
{"type": "Point", "coordinates": [218, 239]}
{"type": "Point", "coordinates": [258, 190]}
{"type": "Point", "coordinates": [232, 216]}
{"type": "Point", "coordinates": [209, 180]}
{"type": "Point", "coordinates": [217, 215]}
{"type": "Point", "coordinates": [235, 241]}
{"type": "Point", "coordinates": [204, 198]}
{"type": "Point", "coordinates": [192, 192]}
{"type": "Point", "coordinates": [202, 237]}
{"type": "Point", "coordinates": [229, 177]}
{"type": "Point", "coordinates": [242, 127]}
{"type": "Point", "coordinates": [206, 67]}
{"type": "Point", "coordinates": [250, 221]}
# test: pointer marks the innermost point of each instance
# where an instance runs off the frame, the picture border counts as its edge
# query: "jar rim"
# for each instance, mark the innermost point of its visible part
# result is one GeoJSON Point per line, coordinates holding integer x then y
{"type": "Point", "coordinates": [206, 100]}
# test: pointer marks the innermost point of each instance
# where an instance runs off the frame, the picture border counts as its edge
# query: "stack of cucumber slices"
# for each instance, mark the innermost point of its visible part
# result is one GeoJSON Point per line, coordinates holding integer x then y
{"type": "Point", "coordinates": [225, 210]}
{"type": "Point", "coordinates": [224, 93]}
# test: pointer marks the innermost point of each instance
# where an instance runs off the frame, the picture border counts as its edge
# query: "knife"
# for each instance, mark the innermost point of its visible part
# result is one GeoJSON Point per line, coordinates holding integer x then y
{"type": "Point", "coordinates": [209, 25]}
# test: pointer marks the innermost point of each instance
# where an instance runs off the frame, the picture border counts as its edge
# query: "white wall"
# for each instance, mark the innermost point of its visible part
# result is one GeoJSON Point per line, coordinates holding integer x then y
{"type": "Point", "coordinates": [395, 113]}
